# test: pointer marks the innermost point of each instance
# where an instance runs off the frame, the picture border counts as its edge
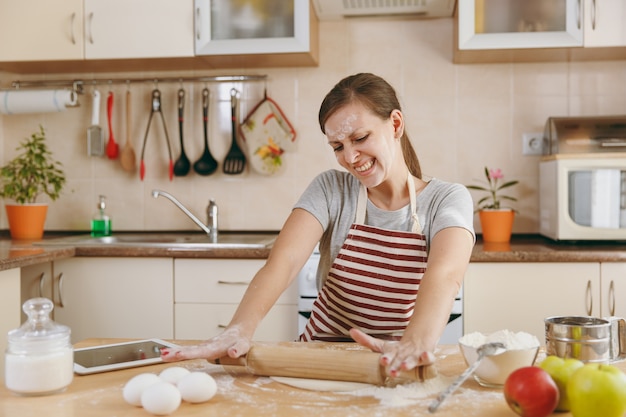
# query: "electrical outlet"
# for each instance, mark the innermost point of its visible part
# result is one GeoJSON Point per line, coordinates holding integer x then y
{"type": "Point", "coordinates": [532, 143]}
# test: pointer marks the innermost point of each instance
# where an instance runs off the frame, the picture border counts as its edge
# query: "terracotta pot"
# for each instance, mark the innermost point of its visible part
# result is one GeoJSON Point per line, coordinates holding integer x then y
{"type": "Point", "coordinates": [26, 221]}
{"type": "Point", "coordinates": [497, 225]}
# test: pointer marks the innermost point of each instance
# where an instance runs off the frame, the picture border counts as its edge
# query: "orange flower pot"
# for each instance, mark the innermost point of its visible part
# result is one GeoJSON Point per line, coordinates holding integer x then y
{"type": "Point", "coordinates": [497, 225]}
{"type": "Point", "coordinates": [26, 221]}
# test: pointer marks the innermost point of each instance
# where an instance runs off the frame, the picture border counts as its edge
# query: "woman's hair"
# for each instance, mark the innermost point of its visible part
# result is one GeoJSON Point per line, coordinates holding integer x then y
{"type": "Point", "coordinates": [379, 97]}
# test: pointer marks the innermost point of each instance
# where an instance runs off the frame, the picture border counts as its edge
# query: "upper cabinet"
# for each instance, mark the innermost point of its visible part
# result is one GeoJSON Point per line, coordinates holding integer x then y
{"type": "Point", "coordinates": [538, 29]}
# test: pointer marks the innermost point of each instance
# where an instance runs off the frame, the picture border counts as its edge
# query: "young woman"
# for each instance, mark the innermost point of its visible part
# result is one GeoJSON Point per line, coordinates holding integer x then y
{"type": "Point", "coordinates": [393, 247]}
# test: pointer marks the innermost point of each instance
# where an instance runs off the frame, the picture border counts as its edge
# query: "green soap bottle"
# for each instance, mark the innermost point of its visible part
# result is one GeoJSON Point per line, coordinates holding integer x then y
{"type": "Point", "coordinates": [101, 223]}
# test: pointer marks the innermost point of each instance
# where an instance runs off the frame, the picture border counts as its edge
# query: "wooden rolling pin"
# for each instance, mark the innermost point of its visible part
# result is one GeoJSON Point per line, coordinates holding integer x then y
{"type": "Point", "coordinates": [328, 361]}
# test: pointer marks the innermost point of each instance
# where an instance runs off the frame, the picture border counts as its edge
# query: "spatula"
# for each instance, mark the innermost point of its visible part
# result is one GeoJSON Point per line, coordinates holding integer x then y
{"type": "Point", "coordinates": [235, 160]}
{"type": "Point", "coordinates": [128, 159]}
{"type": "Point", "coordinates": [95, 142]}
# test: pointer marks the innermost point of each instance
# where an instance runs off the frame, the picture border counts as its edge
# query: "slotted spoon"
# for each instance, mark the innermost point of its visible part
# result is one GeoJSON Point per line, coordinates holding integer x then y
{"type": "Point", "coordinates": [235, 160]}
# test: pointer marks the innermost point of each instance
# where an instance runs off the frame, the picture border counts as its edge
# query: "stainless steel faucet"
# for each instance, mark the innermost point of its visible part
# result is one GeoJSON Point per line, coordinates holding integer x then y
{"type": "Point", "coordinates": [211, 231]}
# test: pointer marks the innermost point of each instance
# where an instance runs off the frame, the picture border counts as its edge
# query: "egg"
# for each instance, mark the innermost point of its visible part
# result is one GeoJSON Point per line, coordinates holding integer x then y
{"type": "Point", "coordinates": [173, 374]}
{"type": "Point", "coordinates": [197, 387]}
{"type": "Point", "coordinates": [161, 398]}
{"type": "Point", "coordinates": [136, 385]}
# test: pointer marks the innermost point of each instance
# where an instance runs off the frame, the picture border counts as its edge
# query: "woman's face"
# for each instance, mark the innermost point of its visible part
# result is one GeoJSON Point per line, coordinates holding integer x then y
{"type": "Point", "coordinates": [364, 144]}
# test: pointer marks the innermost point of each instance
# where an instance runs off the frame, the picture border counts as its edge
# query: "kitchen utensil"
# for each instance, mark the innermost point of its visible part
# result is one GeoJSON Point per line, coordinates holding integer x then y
{"type": "Point", "coordinates": [156, 108]}
{"type": "Point", "coordinates": [95, 142]}
{"type": "Point", "coordinates": [182, 164]}
{"type": "Point", "coordinates": [206, 165]}
{"type": "Point", "coordinates": [326, 361]}
{"type": "Point", "coordinates": [128, 159]}
{"type": "Point", "coordinates": [235, 160]}
{"type": "Point", "coordinates": [588, 339]}
{"type": "Point", "coordinates": [488, 349]}
{"type": "Point", "coordinates": [112, 146]}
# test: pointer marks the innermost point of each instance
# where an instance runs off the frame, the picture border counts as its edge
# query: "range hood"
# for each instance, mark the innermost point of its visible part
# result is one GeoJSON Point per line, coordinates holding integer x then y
{"type": "Point", "coordinates": [338, 9]}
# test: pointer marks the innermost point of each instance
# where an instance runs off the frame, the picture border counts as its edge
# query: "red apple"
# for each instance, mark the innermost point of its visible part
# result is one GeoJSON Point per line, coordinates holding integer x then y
{"type": "Point", "coordinates": [531, 392]}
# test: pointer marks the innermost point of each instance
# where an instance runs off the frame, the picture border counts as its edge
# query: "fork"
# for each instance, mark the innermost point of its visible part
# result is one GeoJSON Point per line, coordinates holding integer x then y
{"type": "Point", "coordinates": [235, 160]}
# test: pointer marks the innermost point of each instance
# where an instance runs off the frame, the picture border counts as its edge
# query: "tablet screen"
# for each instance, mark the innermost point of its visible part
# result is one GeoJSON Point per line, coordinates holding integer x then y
{"type": "Point", "coordinates": [118, 356]}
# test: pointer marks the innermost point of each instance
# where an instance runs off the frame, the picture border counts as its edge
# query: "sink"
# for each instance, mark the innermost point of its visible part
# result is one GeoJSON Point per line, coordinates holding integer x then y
{"type": "Point", "coordinates": [226, 240]}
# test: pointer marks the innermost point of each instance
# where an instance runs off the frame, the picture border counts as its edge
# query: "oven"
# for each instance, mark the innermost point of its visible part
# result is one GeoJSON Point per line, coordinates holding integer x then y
{"type": "Point", "coordinates": [307, 291]}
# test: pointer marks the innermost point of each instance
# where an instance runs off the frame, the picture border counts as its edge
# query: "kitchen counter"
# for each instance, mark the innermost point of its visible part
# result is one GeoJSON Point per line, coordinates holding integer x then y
{"type": "Point", "coordinates": [241, 394]}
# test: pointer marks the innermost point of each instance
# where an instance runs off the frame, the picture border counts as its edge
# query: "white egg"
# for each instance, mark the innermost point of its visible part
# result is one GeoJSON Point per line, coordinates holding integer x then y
{"type": "Point", "coordinates": [173, 374]}
{"type": "Point", "coordinates": [197, 387]}
{"type": "Point", "coordinates": [136, 385]}
{"type": "Point", "coordinates": [161, 398]}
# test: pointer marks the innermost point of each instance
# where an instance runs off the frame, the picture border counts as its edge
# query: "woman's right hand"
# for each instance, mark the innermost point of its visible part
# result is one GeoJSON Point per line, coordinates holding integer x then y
{"type": "Point", "coordinates": [231, 342]}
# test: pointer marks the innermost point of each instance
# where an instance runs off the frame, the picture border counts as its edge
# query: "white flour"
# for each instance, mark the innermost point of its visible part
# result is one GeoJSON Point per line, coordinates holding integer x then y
{"type": "Point", "coordinates": [511, 340]}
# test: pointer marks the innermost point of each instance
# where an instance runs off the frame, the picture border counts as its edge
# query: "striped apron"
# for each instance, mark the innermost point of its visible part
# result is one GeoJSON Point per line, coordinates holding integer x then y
{"type": "Point", "coordinates": [373, 283]}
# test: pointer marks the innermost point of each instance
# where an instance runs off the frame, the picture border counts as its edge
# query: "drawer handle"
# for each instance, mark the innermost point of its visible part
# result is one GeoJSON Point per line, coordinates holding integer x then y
{"type": "Point", "coordinates": [612, 298]}
{"type": "Point", "coordinates": [589, 298]}
{"type": "Point", "coordinates": [42, 281]}
{"type": "Point", "coordinates": [233, 282]}
{"type": "Point", "coordinates": [61, 303]}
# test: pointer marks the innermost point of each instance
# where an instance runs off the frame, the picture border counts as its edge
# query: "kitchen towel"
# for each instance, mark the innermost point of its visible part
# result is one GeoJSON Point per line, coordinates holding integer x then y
{"type": "Point", "coordinates": [36, 101]}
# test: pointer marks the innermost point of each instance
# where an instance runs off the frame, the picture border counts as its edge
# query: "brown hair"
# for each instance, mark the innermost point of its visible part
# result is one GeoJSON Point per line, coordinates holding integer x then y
{"type": "Point", "coordinates": [379, 97]}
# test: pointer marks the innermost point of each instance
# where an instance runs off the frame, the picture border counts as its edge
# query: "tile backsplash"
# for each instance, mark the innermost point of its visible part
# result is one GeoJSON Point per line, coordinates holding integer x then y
{"type": "Point", "coordinates": [460, 118]}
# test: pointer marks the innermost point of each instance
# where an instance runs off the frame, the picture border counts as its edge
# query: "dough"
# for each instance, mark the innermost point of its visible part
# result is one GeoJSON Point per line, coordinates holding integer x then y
{"type": "Point", "coordinates": [197, 387]}
{"type": "Point", "coordinates": [321, 384]}
{"type": "Point", "coordinates": [161, 398]}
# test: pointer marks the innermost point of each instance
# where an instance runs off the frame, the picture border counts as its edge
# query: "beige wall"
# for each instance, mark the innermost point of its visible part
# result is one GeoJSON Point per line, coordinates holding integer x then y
{"type": "Point", "coordinates": [460, 118]}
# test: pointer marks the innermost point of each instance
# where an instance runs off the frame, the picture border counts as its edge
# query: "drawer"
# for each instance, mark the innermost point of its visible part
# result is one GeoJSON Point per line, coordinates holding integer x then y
{"type": "Point", "coordinates": [203, 321]}
{"type": "Point", "coordinates": [219, 280]}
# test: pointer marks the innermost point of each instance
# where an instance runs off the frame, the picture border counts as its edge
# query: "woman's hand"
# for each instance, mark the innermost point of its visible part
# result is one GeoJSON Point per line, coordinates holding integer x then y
{"type": "Point", "coordinates": [231, 342]}
{"type": "Point", "coordinates": [396, 356]}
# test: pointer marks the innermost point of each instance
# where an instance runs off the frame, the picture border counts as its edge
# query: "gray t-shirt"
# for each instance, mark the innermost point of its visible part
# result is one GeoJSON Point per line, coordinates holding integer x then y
{"type": "Point", "coordinates": [332, 199]}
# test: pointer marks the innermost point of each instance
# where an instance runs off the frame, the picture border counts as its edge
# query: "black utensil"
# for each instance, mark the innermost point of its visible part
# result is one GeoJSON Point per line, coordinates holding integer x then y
{"type": "Point", "coordinates": [182, 164]}
{"type": "Point", "coordinates": [235, 160]}
{"type": "Point", "coordinates": [206, 165]}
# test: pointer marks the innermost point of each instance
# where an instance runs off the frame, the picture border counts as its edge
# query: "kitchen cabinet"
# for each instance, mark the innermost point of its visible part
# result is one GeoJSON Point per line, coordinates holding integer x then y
{"type": "Point", "coordinates": [115, 297]}
{"type": "Point", "coordinates": [519, 296]}
{"type": "Point", "coordinates": [208, 291]}
{"type": "Point", "coordinates": [604, 23]}
{"type": "Point", "coordinates": [613, 275]}
{"type": "Point", "coordinates": [37, 281]}
{"type": "Point", "coordinates": [10, 308]}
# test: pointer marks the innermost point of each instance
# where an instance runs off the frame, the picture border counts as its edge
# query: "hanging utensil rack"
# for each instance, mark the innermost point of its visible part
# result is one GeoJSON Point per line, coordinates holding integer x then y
{"type": "Point", "coordinates": [78, 85]}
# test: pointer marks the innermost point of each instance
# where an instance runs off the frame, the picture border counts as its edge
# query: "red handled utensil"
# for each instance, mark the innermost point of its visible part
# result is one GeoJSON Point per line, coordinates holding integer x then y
{"type": "Point", "coordinates": [112, 146]}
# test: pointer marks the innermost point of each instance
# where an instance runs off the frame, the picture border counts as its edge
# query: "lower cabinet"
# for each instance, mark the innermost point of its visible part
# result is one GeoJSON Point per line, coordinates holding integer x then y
{"type": "Point", "coordinates": [115, 297]}
{"type": "Point", "coordinates": [208, 291]}
{"type": "Point", "coordinates": [10, 308]}
{"type": "Point", "coordinates": [519, 296]}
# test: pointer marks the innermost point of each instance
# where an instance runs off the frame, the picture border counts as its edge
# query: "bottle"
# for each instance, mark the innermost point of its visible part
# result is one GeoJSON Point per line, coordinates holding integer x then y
{"type": "Point", "coordinates": [101, 223]}
{"type": "Point", "coordinates": [39, 359]}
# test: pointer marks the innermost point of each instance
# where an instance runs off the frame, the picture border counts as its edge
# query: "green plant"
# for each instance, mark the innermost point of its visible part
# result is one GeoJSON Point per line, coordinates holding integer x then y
{"type": "Point", "coordinates": [493, 200]}
{"type": "Point", "coordinates": [32, 172]}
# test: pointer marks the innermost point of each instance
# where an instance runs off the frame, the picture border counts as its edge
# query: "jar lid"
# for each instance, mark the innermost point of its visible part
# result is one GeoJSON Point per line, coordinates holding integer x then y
{"type": "Point", "coordinates": [39, 327]}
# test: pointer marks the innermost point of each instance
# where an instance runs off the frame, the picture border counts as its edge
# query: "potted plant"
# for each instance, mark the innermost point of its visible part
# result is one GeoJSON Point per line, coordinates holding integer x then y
{"type": "Point", "coordinates": [496, 220]}
{"type": "Point", "coordinates": [31, 173]}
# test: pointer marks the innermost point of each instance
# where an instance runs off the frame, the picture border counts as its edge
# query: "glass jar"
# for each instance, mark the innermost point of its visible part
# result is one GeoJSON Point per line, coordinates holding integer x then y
{"type": "Point", "coordinates": [39, 358]}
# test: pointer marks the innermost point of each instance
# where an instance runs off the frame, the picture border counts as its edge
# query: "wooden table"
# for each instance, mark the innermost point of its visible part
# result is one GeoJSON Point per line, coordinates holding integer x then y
{"type": "Point", "coordinates": [241, 394]}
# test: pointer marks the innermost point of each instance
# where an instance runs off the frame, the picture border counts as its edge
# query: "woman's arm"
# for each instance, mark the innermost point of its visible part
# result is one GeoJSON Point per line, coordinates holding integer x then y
{"type": "Point", "coordinates": [290, 251]}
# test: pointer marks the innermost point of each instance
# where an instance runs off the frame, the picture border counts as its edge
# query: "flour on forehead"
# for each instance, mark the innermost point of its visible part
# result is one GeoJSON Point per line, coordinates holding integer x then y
{"type": "Point", "coordinates": [344, 128]}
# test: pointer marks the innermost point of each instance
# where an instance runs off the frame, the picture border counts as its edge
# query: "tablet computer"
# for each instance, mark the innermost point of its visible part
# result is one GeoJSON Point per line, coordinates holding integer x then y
{"type": "Point", "coordinates": [115, 356]}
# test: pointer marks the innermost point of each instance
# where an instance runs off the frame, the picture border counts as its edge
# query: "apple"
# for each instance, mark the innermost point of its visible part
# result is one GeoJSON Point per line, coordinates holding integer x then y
{"type": "Point", "coordinates": [561, 370]}
{"type": "Point", "coordinates": [531, 392]}
{"type": "Point", "coordinates": [597, 390]}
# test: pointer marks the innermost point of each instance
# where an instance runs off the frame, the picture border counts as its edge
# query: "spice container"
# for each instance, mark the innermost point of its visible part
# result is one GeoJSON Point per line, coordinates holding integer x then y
{"type": "Point", "coordinates": [39, 358]}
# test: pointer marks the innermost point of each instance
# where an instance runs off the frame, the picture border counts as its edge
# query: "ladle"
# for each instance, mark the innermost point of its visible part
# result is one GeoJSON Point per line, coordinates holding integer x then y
{"type": "Point", "coordinates": [488, 349]}
{"type": "Point", "coordinates": [182, 164]}
{"type": "Point", "coordinates": [206, 165]}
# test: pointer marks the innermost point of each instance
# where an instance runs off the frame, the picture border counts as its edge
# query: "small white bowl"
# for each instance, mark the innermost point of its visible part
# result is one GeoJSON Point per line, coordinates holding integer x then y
{"type": "Point", "coordinates": [494, 370]}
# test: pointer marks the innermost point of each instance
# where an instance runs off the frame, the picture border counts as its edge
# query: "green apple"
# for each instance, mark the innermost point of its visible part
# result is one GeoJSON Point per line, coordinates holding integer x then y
{"type": "Point", "coordinates": [597, 390]}
{"type": "Point", "coordinates": [561, 370]}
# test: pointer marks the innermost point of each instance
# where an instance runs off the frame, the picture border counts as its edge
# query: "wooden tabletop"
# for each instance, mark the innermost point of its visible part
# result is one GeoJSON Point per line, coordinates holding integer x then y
{"type": "Point", "coordinates": [241, 394]}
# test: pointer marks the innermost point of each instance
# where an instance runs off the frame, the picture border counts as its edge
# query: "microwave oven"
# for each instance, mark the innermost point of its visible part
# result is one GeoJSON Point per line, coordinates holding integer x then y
{"type": "Point", "coordinates": [583, 196]}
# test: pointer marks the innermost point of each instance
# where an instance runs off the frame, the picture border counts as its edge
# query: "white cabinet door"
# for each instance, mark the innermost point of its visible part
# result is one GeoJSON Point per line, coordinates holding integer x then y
{"type": "Point", "coordinates": [41, 30]}
{"type": "Point", "coordinates": [605, 23]}
{"type": "Point", "coordinates": [519, 296]}
{"type": "Point", "coordinates": [613, 289]}
{"type": "Point", "coordinates": [138, 29]}
{"type": "Point", "coordinates": [115, 297]}
{"type": "Point", "coordinates": [10, 308]}
{"type": "Point", "coordinates": [36, 281]}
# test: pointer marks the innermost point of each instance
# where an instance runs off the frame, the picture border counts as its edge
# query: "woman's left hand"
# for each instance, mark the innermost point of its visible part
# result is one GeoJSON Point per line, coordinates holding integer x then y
{"type": "Point", "coordinates": [396, 356]}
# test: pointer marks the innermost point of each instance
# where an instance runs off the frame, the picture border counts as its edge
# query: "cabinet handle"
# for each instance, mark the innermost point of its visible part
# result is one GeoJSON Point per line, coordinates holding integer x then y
{"type": "Point", "coordinates": [221, 326]}
{"type": "Point", "coordinates": [578, 14]}
{"type": "Point", "coordinates": [612, 298]}
{"type": "Point", "coordinates": [233, 282]}
{"type": "Point", "coordinates": [198, 23]}
{"type": "Point", "coordinates": [61, 303]}
{"type": "Point", "coordinates": [89, 31]}
{"type": "Point", "coordinates": [72, 35]}
{"type": "Point", "coordinates": [593, 14]}
{"type": "Point", "coordinates": [42, 281]}
{"type": "Point", "coordinates": [589, 298]}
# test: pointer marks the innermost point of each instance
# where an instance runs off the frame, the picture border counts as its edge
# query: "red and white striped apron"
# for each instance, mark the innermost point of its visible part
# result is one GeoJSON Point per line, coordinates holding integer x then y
{"type": "Point", "coordinates": [373, 283]}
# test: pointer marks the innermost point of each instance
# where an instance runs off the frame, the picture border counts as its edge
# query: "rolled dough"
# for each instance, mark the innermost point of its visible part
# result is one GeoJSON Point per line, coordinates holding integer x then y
{"type": "Point", "coordinates": [321, 384]}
